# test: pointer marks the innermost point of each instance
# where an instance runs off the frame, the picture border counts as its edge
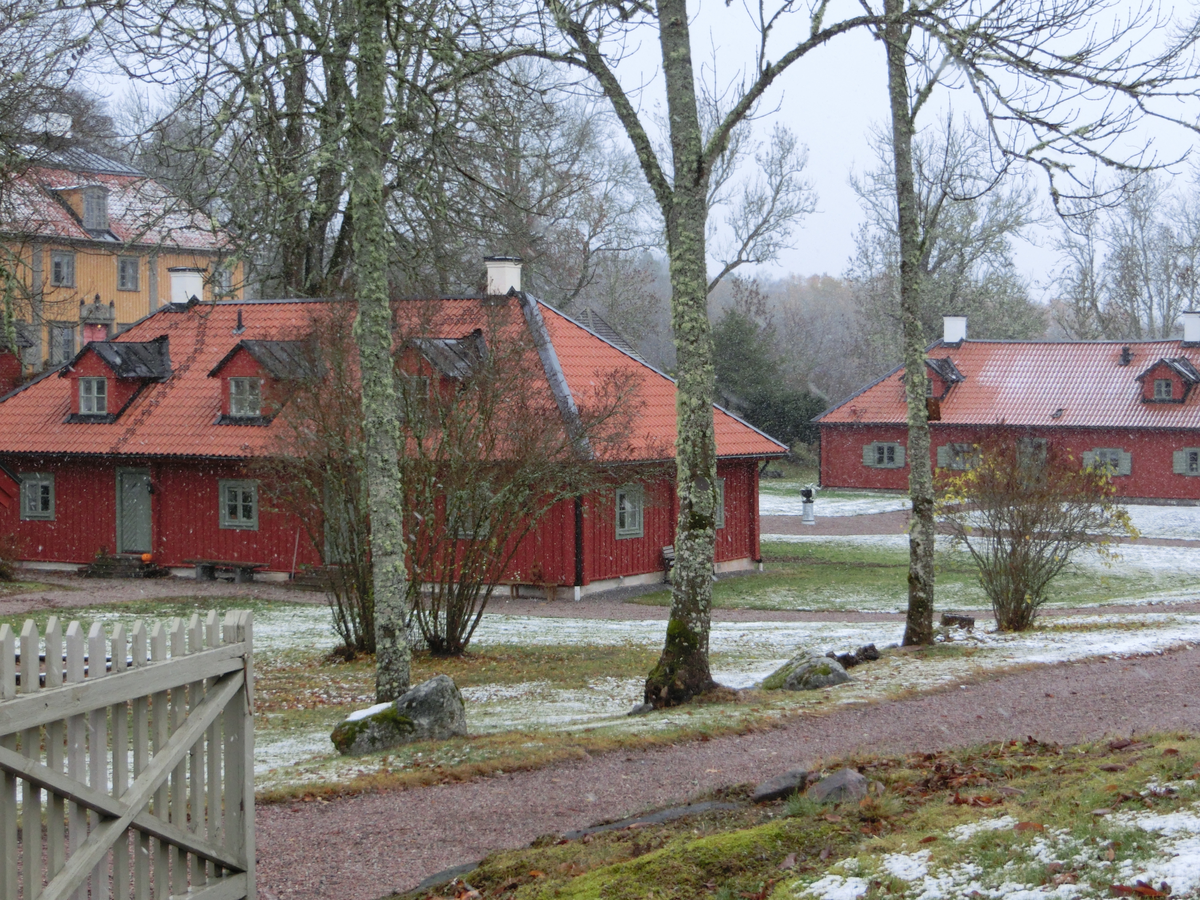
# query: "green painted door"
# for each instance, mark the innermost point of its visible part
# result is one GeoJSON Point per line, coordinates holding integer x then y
{"type": "Point", "coordinates": [133, 511]}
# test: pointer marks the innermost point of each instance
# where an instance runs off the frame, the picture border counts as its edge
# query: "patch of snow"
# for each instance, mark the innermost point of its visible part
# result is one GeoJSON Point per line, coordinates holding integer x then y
{"type": "Point", "coordinates": [837, 887]}
{"type": "Point", "coordinates": [365, 713]}
{"type": "Point", "coordinates": [789, 505]}
{"type": "Point", "coordinates": [963, 832]}
{"type": "Point", "coordinates": [907, 866]}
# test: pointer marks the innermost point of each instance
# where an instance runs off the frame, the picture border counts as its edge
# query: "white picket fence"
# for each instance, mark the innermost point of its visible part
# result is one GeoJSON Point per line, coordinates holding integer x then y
{"type": "Point", "coordinates": [126, 761]}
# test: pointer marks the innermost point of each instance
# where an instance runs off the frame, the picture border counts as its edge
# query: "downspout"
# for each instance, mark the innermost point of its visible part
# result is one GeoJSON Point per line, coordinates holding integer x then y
{"type": "Point", "coordinates": [578, 547]}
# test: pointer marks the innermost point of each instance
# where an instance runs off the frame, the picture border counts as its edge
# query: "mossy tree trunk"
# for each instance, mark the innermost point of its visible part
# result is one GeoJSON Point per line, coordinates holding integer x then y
{"type": "Point", "coordinates": [918, 625]}
{"type": "Point", "coordinates": [682, 670]}
{"type": "Point", "coordinates": [373, 334]}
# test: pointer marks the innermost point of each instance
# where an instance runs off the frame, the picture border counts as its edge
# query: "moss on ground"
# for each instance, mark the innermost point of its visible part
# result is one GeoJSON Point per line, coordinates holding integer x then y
{"type": "Point", "coordinates": [1039, 794]}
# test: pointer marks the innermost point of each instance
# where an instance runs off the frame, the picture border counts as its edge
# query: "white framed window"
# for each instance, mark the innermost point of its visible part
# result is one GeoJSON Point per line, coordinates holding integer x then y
{"type": "Point", "coordinates": [37, 496]}
{"type": "Point", "coordinates": [1164, 389]}
{"type": "Point", "coordinates": [883, 455]}
{"type": "Point", "coordinates": [629, 508]}
{"type": "Point", "coordinates": [62, 269]}
{"type": "Point", "coordinates": [957, 456]}
{"type": "Point", "coordinates": [1186, 461]}
{"type": "Point", "coordinates": [93, 396]}
{"type": "Point", "coordinates": [95, 209]}
{"type": "Point", "coordinates": [245, 398]}
{"type": "Point", "coordinates": [128, 273]}
{"type": "Point", "coordinates": [239, 504]}
{"type": "Point", "coordinates": [719, 512]}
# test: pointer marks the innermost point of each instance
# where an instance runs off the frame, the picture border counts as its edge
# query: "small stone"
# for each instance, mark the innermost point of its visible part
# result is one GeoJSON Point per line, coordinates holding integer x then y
{"type": "Point", "coordinates": [433, 710]}
{"type": "Point", "coordinates": [641, 709]}
{"type": "Point", "coordinates": [780, 787]}
{"type": "Point", "coordinates": [806, 673]}
{"type": "Point", "coordinates": [844, 784]}
{"type": "Point", "coordinates": [867, 653]}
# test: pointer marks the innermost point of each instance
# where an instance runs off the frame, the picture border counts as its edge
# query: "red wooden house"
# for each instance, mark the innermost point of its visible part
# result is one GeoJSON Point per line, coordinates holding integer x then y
{"type": "Point", "coordinates": [144, 444]}
{"type": "Point", "coordinates": [1128, 404]}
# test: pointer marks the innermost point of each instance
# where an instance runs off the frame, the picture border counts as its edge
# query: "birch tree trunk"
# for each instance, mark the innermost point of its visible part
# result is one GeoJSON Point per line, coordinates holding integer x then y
{"type": "Point", "coordinates": [682, 670]}
{"type": "Point", "coordinates": [373, 334]}
{"type": "Point", "coordinates": [918, 625]}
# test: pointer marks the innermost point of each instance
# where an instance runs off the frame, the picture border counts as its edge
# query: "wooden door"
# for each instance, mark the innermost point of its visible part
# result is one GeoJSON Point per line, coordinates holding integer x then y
{"type": "Point", "coordinates": [133, 511]}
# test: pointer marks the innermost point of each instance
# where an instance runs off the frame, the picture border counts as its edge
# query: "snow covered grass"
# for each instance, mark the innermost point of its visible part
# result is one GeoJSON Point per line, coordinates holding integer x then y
{"type": "Point", "coordinates": [782, 498]}
{"type": "Point", "coordinates": [1092, 821]}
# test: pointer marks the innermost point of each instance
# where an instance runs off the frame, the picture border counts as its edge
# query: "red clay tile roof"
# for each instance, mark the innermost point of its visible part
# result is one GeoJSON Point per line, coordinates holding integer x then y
{"type": "Point", "coordinates": [141, 212]}
{"type": "Point", "coordinates": [179, 416]}
{"type": "Point", "coordinates": [1025, 383]}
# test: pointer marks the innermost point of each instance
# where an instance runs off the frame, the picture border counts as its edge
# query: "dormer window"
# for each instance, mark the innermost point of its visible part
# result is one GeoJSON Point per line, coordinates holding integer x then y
{"type": "Point", "coordinates": [1163, 389]}
{"type": "Point", "coordinates": [93, 396]}
{"type": "Point", "coordinates": [245, 398]}
{"type": "Point", "coordinates": [95, 209]}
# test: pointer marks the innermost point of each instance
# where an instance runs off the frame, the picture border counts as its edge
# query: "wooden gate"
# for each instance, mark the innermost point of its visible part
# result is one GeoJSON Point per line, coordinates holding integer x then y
{"type": "Point", "coordinates": [126, 761]}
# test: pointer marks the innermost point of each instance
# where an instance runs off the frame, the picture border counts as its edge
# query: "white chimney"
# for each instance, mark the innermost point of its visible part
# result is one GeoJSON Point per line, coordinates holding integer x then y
{"type": "Point", "coordinates": [1191, 326]}
{"type": "Point", "coordinates": [186, 283]}
{"type": "Point", "coordinates": [503, 273]}
{"type": "Point", "coordinates": [954, 329]}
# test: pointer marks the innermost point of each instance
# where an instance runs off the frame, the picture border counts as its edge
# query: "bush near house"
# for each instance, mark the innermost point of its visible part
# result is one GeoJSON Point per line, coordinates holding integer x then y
{"type": "Point", "coordinates": [1022, 510]}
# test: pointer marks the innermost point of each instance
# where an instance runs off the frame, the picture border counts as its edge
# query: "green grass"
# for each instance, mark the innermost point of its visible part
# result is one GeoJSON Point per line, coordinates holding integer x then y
{"type": "Point", "coordinates": [842, 576]}
{"type": "Point", "coordinates": [778, 850]}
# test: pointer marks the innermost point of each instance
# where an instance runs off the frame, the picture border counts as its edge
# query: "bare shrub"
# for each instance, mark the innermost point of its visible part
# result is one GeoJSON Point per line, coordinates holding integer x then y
{"type": "Point", "coordinates": [1023, 509]}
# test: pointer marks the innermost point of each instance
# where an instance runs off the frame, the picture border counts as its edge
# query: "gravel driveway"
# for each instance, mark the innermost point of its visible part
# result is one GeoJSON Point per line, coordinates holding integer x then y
{"type": "Point", "coordinates": [365, 847]}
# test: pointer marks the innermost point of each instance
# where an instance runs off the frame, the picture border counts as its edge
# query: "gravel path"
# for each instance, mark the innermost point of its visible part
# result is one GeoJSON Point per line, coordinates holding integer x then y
{"type": "Point", "coordinates": [364, 847]}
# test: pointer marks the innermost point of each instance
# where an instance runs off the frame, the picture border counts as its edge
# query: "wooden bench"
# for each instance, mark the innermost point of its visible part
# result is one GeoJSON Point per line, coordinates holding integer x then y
{"type": "Point", "coordinates": [514, 589]}
{"type": "Point", "coordinates": [206, 569]}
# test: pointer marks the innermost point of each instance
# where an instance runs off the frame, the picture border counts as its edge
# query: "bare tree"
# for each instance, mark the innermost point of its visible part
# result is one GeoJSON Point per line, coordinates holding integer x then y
{"type": "Point", "coordinates": [969, 212]}
{"type": "Point", "coordinates": [1052, 89]}
{"type": "Point", "coordinates": [701, 129]}
{"type": "Point", "coordinates": [1131, 267]}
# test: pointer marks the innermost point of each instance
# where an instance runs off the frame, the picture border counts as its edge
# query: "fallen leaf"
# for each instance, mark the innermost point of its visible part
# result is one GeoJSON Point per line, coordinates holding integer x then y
{"type": "Point", "coordinates": [535, 873]}
{"type": "Point", "coordinates": [1113, 767]}
{"type": "Point", "coordinates": [831, 817]}
{"type": "Point", "coordinates": [1141, 889]}
{"type": "Point", "coordinates": [825, 853]}
{"type": "Point", "coordinates": [1119, 744]}
{"type": "Point", "coordinates": [928, 840]}
{"type": "Point", "coordinates": [1110, 854]}
{"type": "Point", "coordinates": [1029, 826]}
{"type": "Point", "coordinates": [788, 862]}
{"type": "Point", "coordinates": [1170, 751]}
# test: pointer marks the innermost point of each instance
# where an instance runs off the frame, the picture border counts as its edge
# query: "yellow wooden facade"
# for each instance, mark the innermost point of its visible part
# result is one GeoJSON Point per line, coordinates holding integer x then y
{"type": "Point", "coordinates": [96, 277]}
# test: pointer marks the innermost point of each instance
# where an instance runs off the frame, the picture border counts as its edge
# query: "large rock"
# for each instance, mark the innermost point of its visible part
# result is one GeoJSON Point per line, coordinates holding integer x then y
{"type": "Point", "coordinates": [844, 784]}
{"type": "Point", "coordinates": [806, 673]}
{"type": "Point", "coordinates": [780, 787]}
{"type": "Point", "coordinates": [433, 710]}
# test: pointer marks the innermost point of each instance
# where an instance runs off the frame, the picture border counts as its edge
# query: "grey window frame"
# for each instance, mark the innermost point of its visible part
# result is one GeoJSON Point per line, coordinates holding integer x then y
{"type": "Point", "coordinates": [719, 511]}
{"type": "Point", "coordinates": [234, 413]}
{"type": "Point", "coordinates": [221, 279]}
{"type": "Point", "coordinates": [631, 498]}
{"type": "Point", "coordinates": [236, 522]}
{"type": "Point", "coordinates": [957, 456]}
{"type": "Point", "coordinates": [57, 352]}
{"type": "Point", "coordinates": [876, 453]}
{"type": "Point", "coordinates": [95, 209]}
{"type": "Point", "coordinates": [1186, 461]}
{"type": "Point", "coordinates": [98, 409]}
{"type": "Point", "coordinates": [67, 276]}
{"type": "Point", "coordinates": [38, 480]}
{"type": "Point", "coordinates": [1170, 392]}
{"type": "Point", "coordinates": [1118, 462]}
{"type": "Point", "coordinates": [124, 264]}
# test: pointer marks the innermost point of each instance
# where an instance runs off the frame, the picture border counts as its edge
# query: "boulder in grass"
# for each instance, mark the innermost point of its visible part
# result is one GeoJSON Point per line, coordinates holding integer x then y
{"type": "Point", "coordinates": [806, 673]}
{"type": "Point", "coordinates": [780, 787]}
{"type": "Point", "coordinates": [844, 784]}
{"type": "Point", "coordinates": [433, 710]}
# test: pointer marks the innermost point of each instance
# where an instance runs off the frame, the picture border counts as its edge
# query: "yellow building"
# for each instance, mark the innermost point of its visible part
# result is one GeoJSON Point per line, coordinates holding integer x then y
{"type": "Point", "coordinates": [96, 245]}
